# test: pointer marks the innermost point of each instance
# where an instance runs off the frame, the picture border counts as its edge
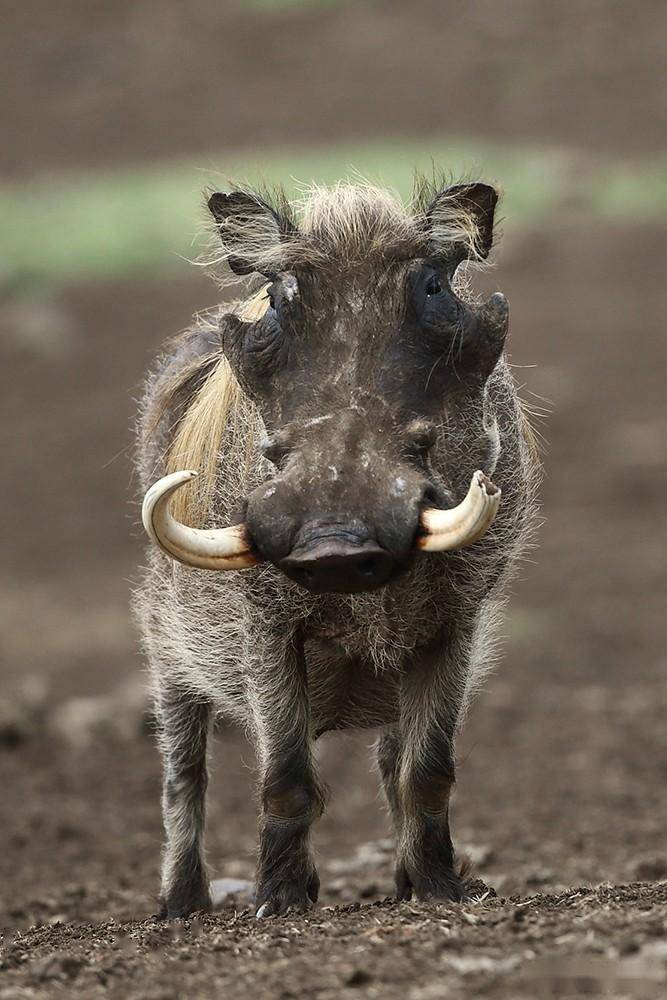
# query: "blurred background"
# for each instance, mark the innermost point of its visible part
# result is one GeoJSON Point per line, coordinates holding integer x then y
{"type": "Point", "coordinates": [114, 117]}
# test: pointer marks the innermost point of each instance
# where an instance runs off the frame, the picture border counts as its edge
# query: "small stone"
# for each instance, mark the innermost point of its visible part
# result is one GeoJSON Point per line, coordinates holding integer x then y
{"type": "Point", "coordinates": [479, 854]}
{"type": "Point", "coordinates": [628, 947]}
{"type": "Point", "coordinates": [22, 713]}
{"type": "Point", "coordinates": [80, 721]}
{"type": "Point", "coordinates": [540, 876]}
{"type": "Point", "coordinates": [229, 892]}
{"type": "Point", "coordinates": [338, 886]}
{"type": "Point", "coordinates": [651, 868]}
{"type": "Point", "coordinates": [54, 967]}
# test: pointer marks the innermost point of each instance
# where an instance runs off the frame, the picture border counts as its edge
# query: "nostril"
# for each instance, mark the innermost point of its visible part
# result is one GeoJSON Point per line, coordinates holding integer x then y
{"type": "Point", "coordinates": [368, 567]}
{"type": "Point", "coordinates": [305, 575]}
{"type": "Point", "coordinates": [334, 565]}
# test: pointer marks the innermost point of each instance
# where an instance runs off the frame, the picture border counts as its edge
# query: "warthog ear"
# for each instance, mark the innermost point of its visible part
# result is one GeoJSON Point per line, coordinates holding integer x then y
{"type": "Point", "coordinates": [460, 223]}
{"type": "Point", "coordinates": [249, 230]}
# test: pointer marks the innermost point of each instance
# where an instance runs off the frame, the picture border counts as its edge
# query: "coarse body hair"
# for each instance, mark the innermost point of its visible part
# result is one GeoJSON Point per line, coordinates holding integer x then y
{"type": "Point", "coordinates": [405, 658]}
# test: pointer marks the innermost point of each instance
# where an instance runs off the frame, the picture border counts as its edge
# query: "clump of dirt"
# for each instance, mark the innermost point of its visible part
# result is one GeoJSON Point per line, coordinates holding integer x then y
{"type": "Point", "coordinates": [583, 940]}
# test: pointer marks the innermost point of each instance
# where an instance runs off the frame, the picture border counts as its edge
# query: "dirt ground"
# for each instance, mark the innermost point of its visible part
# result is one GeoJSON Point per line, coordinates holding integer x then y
{"type": "Point", "coordinates": [563, 763]}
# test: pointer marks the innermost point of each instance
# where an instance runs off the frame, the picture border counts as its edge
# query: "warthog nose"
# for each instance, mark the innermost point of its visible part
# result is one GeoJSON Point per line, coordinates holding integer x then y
{"type": "Point", "coordinates": [335, 566]}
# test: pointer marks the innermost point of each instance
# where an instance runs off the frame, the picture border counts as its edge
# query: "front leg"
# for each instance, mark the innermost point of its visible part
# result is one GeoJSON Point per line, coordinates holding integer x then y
{"type": "Point", "coordinates": [430, 701]}
{"type": "Point", "coordinates": [291, 796]}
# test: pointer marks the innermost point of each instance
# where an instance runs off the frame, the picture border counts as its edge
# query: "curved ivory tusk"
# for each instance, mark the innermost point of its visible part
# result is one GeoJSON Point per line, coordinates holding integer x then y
{"type": "Point", "coordinates": [207, 548]}
{"type": "Point", "coordinates": [443, 530]}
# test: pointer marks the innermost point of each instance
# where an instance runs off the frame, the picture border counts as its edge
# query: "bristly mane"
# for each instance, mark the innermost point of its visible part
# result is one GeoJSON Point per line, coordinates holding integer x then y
{"type": "Point", "coordinates": [344, 226]}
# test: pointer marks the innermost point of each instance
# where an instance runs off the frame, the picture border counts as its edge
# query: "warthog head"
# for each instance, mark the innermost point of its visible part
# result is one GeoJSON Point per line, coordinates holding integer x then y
{"type": "Point", "coordinates": [360, 342]}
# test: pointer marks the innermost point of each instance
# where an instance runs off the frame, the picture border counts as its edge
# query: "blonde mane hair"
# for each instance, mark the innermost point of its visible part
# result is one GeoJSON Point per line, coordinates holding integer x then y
{"type": "Point", "coordinates": [218, 408]}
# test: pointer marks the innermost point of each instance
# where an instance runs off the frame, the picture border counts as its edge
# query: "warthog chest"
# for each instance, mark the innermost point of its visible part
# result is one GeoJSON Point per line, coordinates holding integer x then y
{"type": "Point", "coordinates": [348, 692]}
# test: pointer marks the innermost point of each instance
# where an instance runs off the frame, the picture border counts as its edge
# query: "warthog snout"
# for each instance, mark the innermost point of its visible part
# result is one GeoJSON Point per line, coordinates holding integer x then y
{"type": "Point", "coordinates": [342, 511]}
{"type": "Point", "coordinates": [338, 559]}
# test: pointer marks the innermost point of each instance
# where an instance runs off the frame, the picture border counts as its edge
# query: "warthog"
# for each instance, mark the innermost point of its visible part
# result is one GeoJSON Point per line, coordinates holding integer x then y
{"type": "Point", "coordinates": [351, 423]}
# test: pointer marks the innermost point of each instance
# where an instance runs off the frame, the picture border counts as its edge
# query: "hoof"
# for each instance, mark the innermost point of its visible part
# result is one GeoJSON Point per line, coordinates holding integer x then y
{"type": "Point", "coordinates": [438, 886]}
{"type": "Point", "coordinates": [288, 896]}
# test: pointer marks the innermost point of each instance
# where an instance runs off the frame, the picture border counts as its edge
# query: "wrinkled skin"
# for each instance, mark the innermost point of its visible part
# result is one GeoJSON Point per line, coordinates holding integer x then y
{"type": "Point", "coordinates": [351, 377]}
{"type": "Point", "coordinates": [380, 391]}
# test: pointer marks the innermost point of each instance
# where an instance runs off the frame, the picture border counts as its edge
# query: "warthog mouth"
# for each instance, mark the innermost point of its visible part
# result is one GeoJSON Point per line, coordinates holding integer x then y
{"type": "Point", "coordinates": [233, 547]}
{"type": "Point", "coordinates": [338, 558]}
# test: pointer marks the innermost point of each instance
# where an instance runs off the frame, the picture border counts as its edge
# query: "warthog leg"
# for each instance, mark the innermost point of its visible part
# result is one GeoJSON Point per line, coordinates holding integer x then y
{"type": "Point", "coordinates": [388, 756]}
{"type": "Point", "coordinates": [184, 728]}
{"type": "Point", "coordinates": [416, 760]}
{"type": "Point", "coordinates": [291, 796]}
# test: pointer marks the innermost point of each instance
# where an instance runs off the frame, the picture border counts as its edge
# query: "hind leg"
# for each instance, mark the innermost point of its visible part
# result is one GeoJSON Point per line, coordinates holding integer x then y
{"type": "Point", "coordinates": [184, 726]}
{"type": "Point", "coordinates": [425, 861]}
{"type": "Point", "coordinates": [388, 750]}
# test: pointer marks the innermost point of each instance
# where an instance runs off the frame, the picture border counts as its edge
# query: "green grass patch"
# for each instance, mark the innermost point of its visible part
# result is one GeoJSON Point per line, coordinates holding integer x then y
{"type": "Point", "coordinates": [144, 220]}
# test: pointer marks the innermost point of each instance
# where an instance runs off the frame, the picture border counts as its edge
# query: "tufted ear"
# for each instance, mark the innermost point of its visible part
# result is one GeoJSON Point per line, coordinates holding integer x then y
{"type": "Point", "coordinates": [460, 223]}
{"type": "Point", "coordinates": [249, 230]}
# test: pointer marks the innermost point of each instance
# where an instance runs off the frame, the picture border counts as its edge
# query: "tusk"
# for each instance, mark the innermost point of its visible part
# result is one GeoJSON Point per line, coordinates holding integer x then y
{"type": "Point", "coordinates": [443, 530]}
{"type": "Point", "coordinates": [208, 548]}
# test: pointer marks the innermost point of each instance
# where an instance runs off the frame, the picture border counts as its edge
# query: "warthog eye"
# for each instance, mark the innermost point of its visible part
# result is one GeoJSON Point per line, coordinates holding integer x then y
{"type": "Point", "coordinates": [433, 301]}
